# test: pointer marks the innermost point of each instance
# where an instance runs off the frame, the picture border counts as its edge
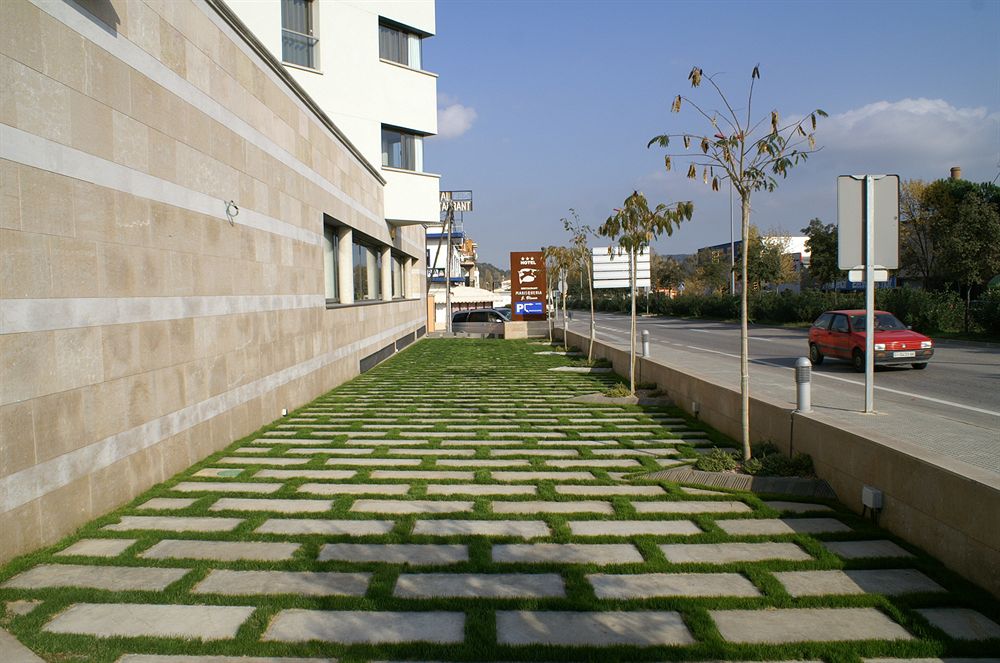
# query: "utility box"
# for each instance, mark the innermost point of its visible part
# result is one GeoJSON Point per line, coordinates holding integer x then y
{"type": "Point", "coordinates": [871, 498]}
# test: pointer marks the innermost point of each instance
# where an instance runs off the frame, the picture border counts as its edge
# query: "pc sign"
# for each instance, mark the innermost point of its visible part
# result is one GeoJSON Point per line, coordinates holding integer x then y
{"type": "Point", "coordinates": [527, 285]}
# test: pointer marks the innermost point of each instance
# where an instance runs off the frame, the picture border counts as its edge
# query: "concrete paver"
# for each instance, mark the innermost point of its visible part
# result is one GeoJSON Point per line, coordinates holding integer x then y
{"type": "Point", "coordinates": [863, 549]}
{"type": "Point", "coordinates": [275, 505]}
{"type": "Point", "coordinates": [525, 529]}
{"type": "Point", "coordinates": [806, 625]}
{"type": "Point", "coordinates": [112, 578]}
{"type": "Point", "coordinates": [567, 553]}
{"type": "Point", "coordinates": [410, 506]}
{"type": "Point", "coordinates": [479, 489]}
{"type": "Point", "coordinates": [302, 583]}
{"type": "Point", "coordinates": [224, 551]}
{"type": "Point", "coordinates": [891, 582]}
{"type": "Point", "coordinates": [633, 527]}
{"type": "Point", "coordinates": [354, 488]}
{"type": "Point", "coordinates": [774, 526]}
{"type": "Point", "coordinates": [576, 506]}
{"type": "Point", "coordinates": [98, 547]}
{"type": "Point", "coordinates": [961, 623]}
{"type": "Point", "coordinates": [602, 629]}
{"type": "Point", "coordinates": [724, 553]}
{"type": "Point", "coordinates": [357, 626]}
{"type": "Point", "coordinates": [690, 506]}
{"type": "Point", "coordinates": [105, 620]}
{"type": "Point", "coordinates": [227, 487]}
{"type": "Point", "coordinates": [175, 524]}
{"type": "Point", "coordinates": [651, 585]}
{"type": "Point", "coordinates": [325, 526]}
{"type": "Point", "coordinates": [479, 585]}
{"type": "Point", "coordinates": [395, 553]}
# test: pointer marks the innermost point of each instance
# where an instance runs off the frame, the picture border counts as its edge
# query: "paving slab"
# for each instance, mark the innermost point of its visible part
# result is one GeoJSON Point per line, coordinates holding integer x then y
{"type": "Point", "coordinates": [14, 652]}
{"type": "Point", "coordinates": [227, 487]}
{"type": "Point", "coordinates": [479, 585]}
{"type": "Point", "coordinates": [301, 583]}
{"type": "Point", "coordinates": [422, 474]}
{"type": "Point", "coordinates": [567, 553]}
{"type": "Point", "coordinates": [21, 607]}
{"type": "Point", "coordinates": [106, 620]}
{"type": "Point", "coordinates": [691, 506]}
{"type": "Point", "coordinates": [598, 629]}
{"type": "Point", "coordinates": [480, 443]}
{"type": "Point", "coordinates": [175, 524]}
{"type": "Point", "coordinates": [863, 549]}
{"type": "Point", "coordinates": [333, 451]}
{"type": "Point", "coordinates": [275, 505]}
{"type": "Point", "coordinates": [549, 453]}
{"type": "Point", "coordinates": [376, 462]}
{"type": "Point", "coordinates": [806, 625]}
{"type": "Point", "coordinates": [701, 491]}
{"type": "Point", "coordinates": [369, 627]}
{"type": "Point", "coordinates": [633, 528]}
{"type": "Point", "coordinates": [432, 452]}
{"type": "Point", "coordinates": [525, 529]}
{"type": "Point", "coordinates": [381, 442]}
{"type": "Point", "coordinates": [474, 462]}
{"type": "Point", "coordinates": [395, 553]}
{"type": "Point", "coordinates": [326, 527]}
{"type": "Point", "coordinates": [578, 506]}
{"type": "Point", "coordinates": [796, 507]}
{"type": "Point", "coordinates": [652, 585]}
{"type": "Point", "coordinates": [542, 476]}
{"type": "Point", "coordinates": [355, 488]}
{"type": "Point", "coordinates": [576, 443]}
{"type": "Point", "coordinates": [775, 526]}
{"type": "Point", "coordinates": [111, 578]}
{"type": "Point", "coordinates": [333, 475]}
{"type": "Point", "coordinates": [166, 503]}
{"type": "Point", "coordinates": [411, 506]}
{"type": "Point", "coordinates": [233, 460]}
{"type": "Point", "coordinates": [724, 553]}
{"type": "Point", "coordinates": [891, 582]}
{"type": "Point", "coordinates": [609, 490]}
{"type": "Point", "coordinates": [479, 489]}
{"type": "Point", "coordinates": [625, 451]}
{"type": "Point", "coordinates": [218, 472]}
{"type": "Point", "coordinates": [223, 551]}
{"type": "Point", "coordinates": [962, 623]}
{"type": "Point", "coordinates": [98, 547]}
{"type": "Point", "coordinates": [591, 462]}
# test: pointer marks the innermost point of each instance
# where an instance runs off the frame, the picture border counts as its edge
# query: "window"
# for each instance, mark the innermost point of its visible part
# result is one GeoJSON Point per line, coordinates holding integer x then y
{"type": "Point", "coordinates": [398, 45]}
{"type": "Point", "coordinates": [823, 321]}
{"type": "Point", "coordinates": [397, 278]}
{"type": "Point", "coordinates": [298, 43]}
{"type": "Point", "coordinates": [367, 272]}
{"type": "Point", "coordinates": [402, 150]}
{"type": "Point", "coordinates": [331, 245]}
{"type": "Point", "coordinates": [839, 323]}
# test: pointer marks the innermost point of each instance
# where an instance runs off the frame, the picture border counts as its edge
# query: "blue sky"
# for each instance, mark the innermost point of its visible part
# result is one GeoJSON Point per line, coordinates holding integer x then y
{"type": "Point", "coordinates": [544, 106]}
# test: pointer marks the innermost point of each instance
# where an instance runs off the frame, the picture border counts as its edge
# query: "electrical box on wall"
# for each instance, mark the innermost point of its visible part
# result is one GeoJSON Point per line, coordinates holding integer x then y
{"type": "Point", "coordinates": [871, 498]}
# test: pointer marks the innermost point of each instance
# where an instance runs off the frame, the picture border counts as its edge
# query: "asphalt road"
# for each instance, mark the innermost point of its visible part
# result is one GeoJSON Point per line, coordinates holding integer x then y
{"type": "Point", "coordinates": [951, 407]}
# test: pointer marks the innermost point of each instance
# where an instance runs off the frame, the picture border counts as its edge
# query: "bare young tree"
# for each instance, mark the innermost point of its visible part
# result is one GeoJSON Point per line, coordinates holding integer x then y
{"type": "Point", "coordinates": [749, 153]}
{"type": "Point", "coordinates": [557, 259]}
{"type": "Point", "coordinates": [634, 227]}
{"type": "Point", "coordinates": [581, 250]}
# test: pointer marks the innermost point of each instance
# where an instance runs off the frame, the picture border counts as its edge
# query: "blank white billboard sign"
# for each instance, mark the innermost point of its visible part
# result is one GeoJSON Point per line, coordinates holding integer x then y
{"type": "Point", "coordinates": [611, 268]}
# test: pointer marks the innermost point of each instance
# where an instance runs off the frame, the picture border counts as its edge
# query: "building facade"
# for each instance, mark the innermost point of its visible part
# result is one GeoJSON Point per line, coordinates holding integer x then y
{"type": "Point", "coordinates": [189, 245]}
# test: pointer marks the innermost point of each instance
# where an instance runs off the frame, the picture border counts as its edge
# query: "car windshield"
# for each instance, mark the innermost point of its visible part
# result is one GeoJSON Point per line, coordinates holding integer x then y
{"type": "Point", "coordinates": [505, 312]}
{"type": "Point", "coordinates": [883, 322]}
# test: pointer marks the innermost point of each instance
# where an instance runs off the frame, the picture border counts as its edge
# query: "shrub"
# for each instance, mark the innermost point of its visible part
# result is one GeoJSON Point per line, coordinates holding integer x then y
{"type": "Point", "coordinates": [767, 460]}
{"type": "Point", "coordinates": [717, 460]}
{"type": "Point", "coordinates": [924, 310]}
{"type": "Point", "coordinates": [620, 390]}
{"type": "Point", "coordinates": [986, 312]}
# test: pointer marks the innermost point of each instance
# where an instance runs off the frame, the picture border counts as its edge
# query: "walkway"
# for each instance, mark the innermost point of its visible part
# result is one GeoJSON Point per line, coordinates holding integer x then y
{"type": "Point", "coordinates": [456, 504]}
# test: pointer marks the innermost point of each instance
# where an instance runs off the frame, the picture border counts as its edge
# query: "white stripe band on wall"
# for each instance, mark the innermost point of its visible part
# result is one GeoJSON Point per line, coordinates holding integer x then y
{"type": "Point", "coordinates": [44, 154]}
{"type": "Point", "coordinates": [29, 484]}
{"type": "Point", "coordinates": [36, 315]}
{"type": "Point", "coordinates": [147, 65]}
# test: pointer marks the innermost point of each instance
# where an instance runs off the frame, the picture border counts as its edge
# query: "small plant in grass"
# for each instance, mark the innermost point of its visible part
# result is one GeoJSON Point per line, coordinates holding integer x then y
{"type": "Point", "coordinates": [620, 390]}
{"type": "Point", "coordinates": [717, 460]}
{"type": "Point", "coordinates": [767, 460]}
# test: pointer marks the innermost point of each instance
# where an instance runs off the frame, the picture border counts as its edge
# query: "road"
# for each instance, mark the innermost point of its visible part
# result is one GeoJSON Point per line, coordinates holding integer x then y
{"type": "Point", "coordinates": [952, 407]}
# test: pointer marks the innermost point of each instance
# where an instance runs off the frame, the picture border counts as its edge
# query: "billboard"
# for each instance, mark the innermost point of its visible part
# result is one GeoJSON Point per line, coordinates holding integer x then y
{"type": "Point", "coordinates": [611, 269]}
{"type": "Point", "coordinates": [527, 285]}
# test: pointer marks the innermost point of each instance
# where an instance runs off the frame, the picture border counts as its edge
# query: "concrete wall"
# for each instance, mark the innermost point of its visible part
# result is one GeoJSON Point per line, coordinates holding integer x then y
{"type": "Point", "coordinates": [948, 508]}
{"type": "Point", "coordinates": [140, 328]}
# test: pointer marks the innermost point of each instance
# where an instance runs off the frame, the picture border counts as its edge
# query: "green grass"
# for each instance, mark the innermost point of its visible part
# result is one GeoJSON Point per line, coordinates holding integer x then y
{"type": "Point", "coordinates": [458, 381]}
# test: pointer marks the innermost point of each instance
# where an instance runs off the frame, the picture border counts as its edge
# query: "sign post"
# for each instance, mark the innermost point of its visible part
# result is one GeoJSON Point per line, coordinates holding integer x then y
{"type": "Point", "coordinates": [451, 202]}
{"type": "Point", "coordinates": [868, 240]}
{"type": "Point", "coordinates": [527, 285]}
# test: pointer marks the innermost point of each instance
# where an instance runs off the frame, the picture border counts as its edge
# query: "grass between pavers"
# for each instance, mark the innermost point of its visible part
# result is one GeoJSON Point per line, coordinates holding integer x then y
{"type": "Point", "coordinates": [498, 378]}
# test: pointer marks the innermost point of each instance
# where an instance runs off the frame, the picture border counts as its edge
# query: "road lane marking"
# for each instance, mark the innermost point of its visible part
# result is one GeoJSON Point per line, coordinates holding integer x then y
{"type": "Point", "coordinates": [890, 390]}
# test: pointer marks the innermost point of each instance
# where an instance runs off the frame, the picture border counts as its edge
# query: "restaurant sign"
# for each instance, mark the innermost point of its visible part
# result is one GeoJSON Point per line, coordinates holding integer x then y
{"type": "Point", "coordinates": [527, 285]}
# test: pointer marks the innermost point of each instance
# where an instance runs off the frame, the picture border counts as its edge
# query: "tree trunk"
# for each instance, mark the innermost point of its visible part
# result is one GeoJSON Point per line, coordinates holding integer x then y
{"type": "Point", "coordinates": [745, 333]}
{"type": "Point", "coordinates": [631, 355]}
{"type": "Point", "coordinates": [565, 323]}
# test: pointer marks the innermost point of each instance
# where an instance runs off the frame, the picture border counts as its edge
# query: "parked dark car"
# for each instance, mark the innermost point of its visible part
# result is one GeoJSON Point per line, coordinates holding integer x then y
{"type": "Point", "coordinates": [481, 315]}
{"type": "Point", "coordinates": [487, 321]}
{"type": "Point", "coordinates": [841, 335]}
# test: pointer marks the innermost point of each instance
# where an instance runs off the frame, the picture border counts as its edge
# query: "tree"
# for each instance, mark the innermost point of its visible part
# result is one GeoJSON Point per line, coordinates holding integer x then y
{"type": "Point", "coordinates": [822, 246]}
{"type": "Point", "coordinates": [750, 158]}
{"type": "Point", "coordinates": [579, 233]}
{"type": "Point", "coordinates": [708, 272]}
{"type": "Point", "coordinates": [634, 227]}
{"type": "Point", "coordinates": [557, 258]}
{"type": "Point", "coordinates": [969, 252]}
{"type": "Point", "coordinates": [767, 259]}
{"type": "Point", "coordinates": [665, 271]}
{"type": "Point", "coordinates": [917, 254]}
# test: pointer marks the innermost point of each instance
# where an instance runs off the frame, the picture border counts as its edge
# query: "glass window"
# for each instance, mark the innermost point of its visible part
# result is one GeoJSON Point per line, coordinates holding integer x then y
{"type": "Point", "coordinates": [298, 40]}
{"type": "Point", "coordinates": [397, 278]}
{"type": "Point", "coordinates": [883, 322]}
{"type": "Point", "coordinates": [330, 246]}
{"type": "Point", "coordinates": [823, 321]}
{"type": "Point", "coordinates": [367, 273]}
{"type": "Point", "coordinates": [839, 323]}
{"type": "Point", "coordinates": [399, 46]}
{"type": "Point", "coordinates": [402, 150]}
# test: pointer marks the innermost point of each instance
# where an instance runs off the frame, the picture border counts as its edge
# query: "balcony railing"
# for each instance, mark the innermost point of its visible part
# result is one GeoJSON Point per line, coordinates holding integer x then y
{"type": "Point", "coordinates": [299, 49]}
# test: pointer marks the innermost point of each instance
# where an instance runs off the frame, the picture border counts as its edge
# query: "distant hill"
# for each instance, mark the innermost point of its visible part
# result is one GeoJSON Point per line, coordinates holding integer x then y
{"type": "Point", "coordinates": [490, 275]}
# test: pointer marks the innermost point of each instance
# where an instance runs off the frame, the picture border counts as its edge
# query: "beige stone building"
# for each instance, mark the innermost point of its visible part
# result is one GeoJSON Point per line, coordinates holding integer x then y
{"type": "Point", "coordinates": [188, 245]}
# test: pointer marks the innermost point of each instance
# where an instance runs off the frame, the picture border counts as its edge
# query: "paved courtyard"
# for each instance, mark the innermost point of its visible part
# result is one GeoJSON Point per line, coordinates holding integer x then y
{"type": "Point", "coordinates": [456, 504]}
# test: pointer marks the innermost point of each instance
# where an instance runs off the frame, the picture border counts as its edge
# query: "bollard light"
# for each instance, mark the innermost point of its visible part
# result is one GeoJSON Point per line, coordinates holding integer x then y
{"type": "Point", "coordinates": [645, 342]}
{"type": "Point", "coordinates": [803, 379]}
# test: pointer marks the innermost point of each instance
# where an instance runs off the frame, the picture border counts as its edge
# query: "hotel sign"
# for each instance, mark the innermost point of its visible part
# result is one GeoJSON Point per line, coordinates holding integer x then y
{"type": "Point", "coordinates": [527, 285]}
{"type": "Point", "coordinates": [460, 201]}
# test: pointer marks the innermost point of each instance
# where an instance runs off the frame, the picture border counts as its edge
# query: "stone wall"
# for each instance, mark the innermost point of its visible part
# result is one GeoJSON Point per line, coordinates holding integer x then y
{"type": "Point", "coordinates": [142, 328]}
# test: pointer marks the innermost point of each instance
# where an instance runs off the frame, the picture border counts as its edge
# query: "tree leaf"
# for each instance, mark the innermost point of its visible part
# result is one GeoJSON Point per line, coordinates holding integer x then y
{"type": "Point", "coordinates": [704, 175]}
{"type": "Point", "coordinates": [715, 184]}
{"type": "Point", "coordinates": [774, 121]}
{"type": "Point", "coordinates": [812, 117]}
{"type": "Point", "coordinates": [687, 141]}
{"type": "Point", "coordinates": [704, 146]}
{"type": "Point", "coordinates": [692, 173]}
{"type": "Point", "coordinates": [695, 77]}
{"type": "Point", "coordinates": [676, 106]}
{"type": "Point", "coordinates": [666, 162]}
{"type": "Point", "coordinates": [755, 73]}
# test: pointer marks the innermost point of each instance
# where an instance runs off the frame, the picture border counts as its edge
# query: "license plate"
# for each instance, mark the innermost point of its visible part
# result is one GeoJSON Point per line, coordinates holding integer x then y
{"type": "Point", "coordinates": [907, 353]}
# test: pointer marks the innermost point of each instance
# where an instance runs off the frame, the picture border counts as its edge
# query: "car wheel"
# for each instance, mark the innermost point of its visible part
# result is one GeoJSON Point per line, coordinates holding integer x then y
{"type": "Point", "coordinates": [815, 356]}
{"type": "Point", "coordinates": [920, 367]}
{"type": "Point", "coordinates": [858, 361]}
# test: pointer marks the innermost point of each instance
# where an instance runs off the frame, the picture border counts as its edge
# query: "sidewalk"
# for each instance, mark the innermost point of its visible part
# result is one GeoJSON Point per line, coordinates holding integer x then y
{"type": "Point", "coordinates": [454, 504]}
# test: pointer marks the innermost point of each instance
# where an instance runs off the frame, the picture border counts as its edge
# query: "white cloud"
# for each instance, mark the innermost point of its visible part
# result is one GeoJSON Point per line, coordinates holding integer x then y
{"type": "Point", "coordinates": [454, 119]}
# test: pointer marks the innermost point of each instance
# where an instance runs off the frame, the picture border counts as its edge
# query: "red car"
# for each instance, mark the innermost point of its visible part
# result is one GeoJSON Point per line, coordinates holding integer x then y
{"type": "Point", "coordinates": [841, 334]}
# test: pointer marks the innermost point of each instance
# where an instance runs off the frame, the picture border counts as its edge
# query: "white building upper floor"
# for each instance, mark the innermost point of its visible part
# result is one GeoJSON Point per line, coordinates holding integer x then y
{"type": "Point", "coordinates": [362, 61]}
